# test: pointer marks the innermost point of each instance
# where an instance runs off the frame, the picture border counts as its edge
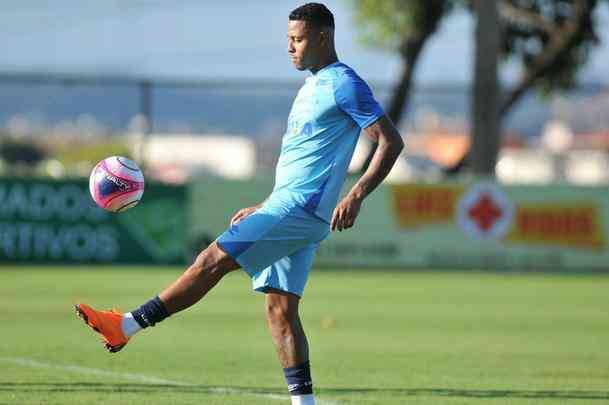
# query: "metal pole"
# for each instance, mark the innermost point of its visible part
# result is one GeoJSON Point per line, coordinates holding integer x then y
{"type": "Point", "coordinates": [146, 112]}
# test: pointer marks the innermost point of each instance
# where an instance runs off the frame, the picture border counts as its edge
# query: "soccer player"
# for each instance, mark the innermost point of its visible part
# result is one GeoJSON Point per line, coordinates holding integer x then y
{"type": "Point", "coordinates": [276, 240]}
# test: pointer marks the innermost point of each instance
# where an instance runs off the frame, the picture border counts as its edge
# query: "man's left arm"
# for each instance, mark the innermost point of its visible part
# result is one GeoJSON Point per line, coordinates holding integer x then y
{"type": "Point", "coordinates": [390, 145]}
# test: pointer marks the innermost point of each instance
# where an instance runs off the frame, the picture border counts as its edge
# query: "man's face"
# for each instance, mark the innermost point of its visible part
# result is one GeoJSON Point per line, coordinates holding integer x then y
{"type": "Point", "coordinates": [304, 44]}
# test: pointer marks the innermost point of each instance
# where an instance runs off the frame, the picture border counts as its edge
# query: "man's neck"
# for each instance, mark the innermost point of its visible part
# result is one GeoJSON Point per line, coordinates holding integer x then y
{"type": "Point", "coordinates": [330, 59]}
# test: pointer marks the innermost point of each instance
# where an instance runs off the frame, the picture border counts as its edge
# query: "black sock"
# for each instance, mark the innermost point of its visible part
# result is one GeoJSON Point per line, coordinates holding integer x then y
{"type": "Point", "coordinates": [150, 313]}
{"type": "Point", "coordinates": [299, 379]}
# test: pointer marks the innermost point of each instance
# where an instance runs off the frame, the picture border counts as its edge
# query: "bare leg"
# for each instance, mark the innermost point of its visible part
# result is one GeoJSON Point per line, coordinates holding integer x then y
{"type": "Point", "coordinates": [286, 329]}
{"type": "Point", "coordinates": [209, 267]}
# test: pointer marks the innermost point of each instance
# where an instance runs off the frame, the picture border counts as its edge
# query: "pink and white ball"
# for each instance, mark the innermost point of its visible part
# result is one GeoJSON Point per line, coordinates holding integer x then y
{"type": "Point", "coordinates": [116, 184]}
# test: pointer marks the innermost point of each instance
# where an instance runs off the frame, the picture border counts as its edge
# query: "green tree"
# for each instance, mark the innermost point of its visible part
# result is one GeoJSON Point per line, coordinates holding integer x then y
{"type": "Point", "coordinates": [403, 26]}
{"type": "Point", "coordinates": [549, 39]}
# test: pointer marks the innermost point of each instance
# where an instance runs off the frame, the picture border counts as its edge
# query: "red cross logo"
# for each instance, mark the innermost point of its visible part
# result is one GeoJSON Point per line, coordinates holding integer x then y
{"type": "Point", "coordinates": [485, 212]}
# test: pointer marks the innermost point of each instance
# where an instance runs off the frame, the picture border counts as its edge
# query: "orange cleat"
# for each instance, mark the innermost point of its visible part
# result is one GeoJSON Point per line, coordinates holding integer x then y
{"type": "Point", "coordinates": [107, 324]}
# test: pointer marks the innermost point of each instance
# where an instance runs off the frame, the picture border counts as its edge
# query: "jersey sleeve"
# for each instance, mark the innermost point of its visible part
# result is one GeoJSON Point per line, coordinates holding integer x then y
{"type": "Point", "coordinates": [355, 98]}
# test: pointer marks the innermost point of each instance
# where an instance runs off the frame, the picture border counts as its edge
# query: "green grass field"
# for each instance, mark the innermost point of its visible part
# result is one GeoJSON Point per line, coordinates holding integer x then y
{"type": "Point", "coordinates": [376, 338]}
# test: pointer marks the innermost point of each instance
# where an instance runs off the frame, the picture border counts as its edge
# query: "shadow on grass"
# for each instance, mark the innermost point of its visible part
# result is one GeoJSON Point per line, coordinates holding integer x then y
{"type": "Point", "coordinates": [407, 392]}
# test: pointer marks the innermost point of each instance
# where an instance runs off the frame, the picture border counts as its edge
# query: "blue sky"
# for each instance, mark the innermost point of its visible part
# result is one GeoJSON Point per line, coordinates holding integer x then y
{"type": "Point", "coordinates": [209, 39]}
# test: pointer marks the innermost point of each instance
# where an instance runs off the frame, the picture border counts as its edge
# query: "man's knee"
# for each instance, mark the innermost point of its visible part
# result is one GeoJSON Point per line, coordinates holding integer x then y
{"type": "Point", "coordinates": [281, 310]}
{"type": "Point", "coordinates": [215, 261]}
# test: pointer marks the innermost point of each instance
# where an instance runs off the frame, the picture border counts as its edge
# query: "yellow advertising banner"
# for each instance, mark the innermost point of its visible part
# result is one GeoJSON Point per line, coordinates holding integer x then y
{"type": "Point", "coordinates": [424, 204]}
{"type": "Point", "coordinates": [576, 224]}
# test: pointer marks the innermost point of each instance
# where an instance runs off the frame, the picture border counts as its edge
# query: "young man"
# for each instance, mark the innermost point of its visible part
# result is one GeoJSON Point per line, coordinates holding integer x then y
{"type": "Point", "coordinates": [275, 241]}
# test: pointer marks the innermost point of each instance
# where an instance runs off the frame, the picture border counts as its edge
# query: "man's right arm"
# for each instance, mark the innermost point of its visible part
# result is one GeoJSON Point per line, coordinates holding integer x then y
{"type": "Point", "coordinates": [390, 145]}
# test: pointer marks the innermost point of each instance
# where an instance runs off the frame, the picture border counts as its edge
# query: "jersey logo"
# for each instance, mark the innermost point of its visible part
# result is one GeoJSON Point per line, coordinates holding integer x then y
{"type": "Point", "coordinates": [307, 129]}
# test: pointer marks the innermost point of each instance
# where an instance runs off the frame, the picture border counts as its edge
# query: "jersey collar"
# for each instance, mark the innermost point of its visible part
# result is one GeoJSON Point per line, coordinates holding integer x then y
{"type": "Point", "coordinates": [326, 67]}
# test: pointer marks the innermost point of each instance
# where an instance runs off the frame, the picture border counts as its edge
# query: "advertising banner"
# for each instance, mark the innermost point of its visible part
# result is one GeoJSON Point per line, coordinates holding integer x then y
{"type": "Point", "coordinates": [479, 225]}
{"type": "Point", "coordinates": [50, 222]}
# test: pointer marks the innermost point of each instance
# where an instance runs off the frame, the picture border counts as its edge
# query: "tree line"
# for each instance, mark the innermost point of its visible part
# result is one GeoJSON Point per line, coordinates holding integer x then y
{"type": "Point", "coordinates": [550, 41]}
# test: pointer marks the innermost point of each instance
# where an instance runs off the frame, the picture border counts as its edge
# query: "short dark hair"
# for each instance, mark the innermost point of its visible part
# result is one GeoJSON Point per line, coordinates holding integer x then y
{"type": "Point", "coordinates": [315, 14]}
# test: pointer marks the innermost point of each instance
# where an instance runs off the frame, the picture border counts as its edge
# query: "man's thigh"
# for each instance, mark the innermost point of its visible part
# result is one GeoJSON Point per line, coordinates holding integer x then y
{"type": "Point", "coordinates": [289, 274]}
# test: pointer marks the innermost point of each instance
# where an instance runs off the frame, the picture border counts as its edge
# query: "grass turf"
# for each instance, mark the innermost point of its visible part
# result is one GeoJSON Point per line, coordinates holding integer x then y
{"type": "Point", "coordinates": [376, 338]}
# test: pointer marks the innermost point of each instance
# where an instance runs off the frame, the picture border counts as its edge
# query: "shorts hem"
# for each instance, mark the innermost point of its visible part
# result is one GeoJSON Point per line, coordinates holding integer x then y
{"type": "Point", "coordinates": [264, 289]}
{"type": "Point", "coordinates": [245, 267]}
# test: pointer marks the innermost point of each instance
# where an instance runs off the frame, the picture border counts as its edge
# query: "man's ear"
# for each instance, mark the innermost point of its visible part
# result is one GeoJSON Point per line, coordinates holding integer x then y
{"type": "Point", "coordinates": [323, 37]}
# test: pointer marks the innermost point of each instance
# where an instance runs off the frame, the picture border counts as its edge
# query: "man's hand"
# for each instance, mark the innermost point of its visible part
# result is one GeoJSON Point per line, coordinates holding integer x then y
{"type": "Point", "coordinates": [242, 213]}
{"type": "Point", "coordinates": [345, 213]}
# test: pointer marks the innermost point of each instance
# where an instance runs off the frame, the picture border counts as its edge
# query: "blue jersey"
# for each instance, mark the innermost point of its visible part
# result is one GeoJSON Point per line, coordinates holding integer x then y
{"type": "Point", "coordinates": [323, 127]}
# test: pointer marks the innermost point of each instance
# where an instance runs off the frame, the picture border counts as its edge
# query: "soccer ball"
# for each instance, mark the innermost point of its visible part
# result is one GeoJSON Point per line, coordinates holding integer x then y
{"type": "Point", "coordinates": [116, 184]}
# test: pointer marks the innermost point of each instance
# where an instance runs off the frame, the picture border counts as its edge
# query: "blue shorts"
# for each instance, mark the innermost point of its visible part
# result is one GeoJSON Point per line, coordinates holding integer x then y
{"type": "Point", "coordinates": [276, 247]}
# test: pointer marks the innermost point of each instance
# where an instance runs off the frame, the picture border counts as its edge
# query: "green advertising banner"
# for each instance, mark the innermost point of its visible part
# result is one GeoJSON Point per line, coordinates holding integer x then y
{"type": "Point", "coordinates": [49, 222]}
{"type": "Point", "coordinates": [478, 225]}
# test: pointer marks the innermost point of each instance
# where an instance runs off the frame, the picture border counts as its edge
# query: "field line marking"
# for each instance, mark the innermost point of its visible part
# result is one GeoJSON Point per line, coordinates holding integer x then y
{"type": "Point", "coordinates": [24, 362]}
{"type": "Point", "coordinates": [91, 371]}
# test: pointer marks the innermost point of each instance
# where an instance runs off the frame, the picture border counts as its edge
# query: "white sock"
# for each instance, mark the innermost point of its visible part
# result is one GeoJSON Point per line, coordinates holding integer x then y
{"type": "Point", "coordinates": [308, 399]}
{"type": "Point", "coordinates": [130, 325]}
